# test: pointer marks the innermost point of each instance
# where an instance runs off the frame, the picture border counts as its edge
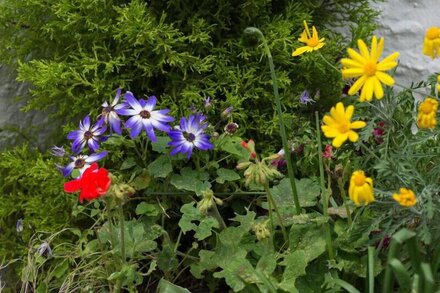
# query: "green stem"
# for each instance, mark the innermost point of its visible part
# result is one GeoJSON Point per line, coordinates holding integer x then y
{"type": "Point", "coordinates": [218, 217]}
{"type": "Point", "coordinates": [122, 227]}
{"type": "Point", "coordinates": [328, 63]}
{"type": "Point", "coordinates": [290, 167]}
{"type": "Point", "coordinates": [410, 89]}
{"type": "Point", "coordinates": [371, 269]}
{"type": "Point", "coordinates": [344, 198]}
{"type": "Point", "coordinates": [368, 150]}
{"type": "Point", "coordinates": [110, 217]}
{"type": "Point", "coordinates": [272, 201]}
{"type": "Point", "coordinates": [324, 199]}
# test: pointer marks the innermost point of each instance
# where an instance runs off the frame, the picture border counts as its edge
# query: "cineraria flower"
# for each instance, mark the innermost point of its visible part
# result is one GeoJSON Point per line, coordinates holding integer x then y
{"type": "Point", "coordinates": [87, 133]}
{"type": "Point", "coordinates": [82, 162]}
{"type": "Point", "coordinates": [143, 116]}
{"type": "Point", "coordinates": [110, 115]}
{"type": "Point", "coordinates": [426, 116]}
{"type": "Point", "coordinates": [93, 183]}
{"type": "Point", "coordinates": [190, 134]}
{"type": "Point", "coordinates": [361, 188]}
{"type": "Point", "coordinates": [305, 98]}
{"type": "Point", "coordinates": [370, 71]}
{"type": "Point", "coordinates": [339, 126]}
{"type": "Point", "coordinates": [405, 197]}
{"type": "Point", "coordinates": [227, 112]}
{"type": "Point", "coordinates": [431, 43]}
{"type": "Point", "coordinates": [44, 250]}
{"type": "Point", "coordinates": [313, 42]}
{"type": "Point", "coordinates": [57, 151]}
{"type": "Point", "coordinates": [231, 128]}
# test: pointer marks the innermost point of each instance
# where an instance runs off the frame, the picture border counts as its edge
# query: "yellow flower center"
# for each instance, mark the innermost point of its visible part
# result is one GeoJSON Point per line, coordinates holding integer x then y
{"type": "Point", "coordinates": [313, 42]}
{"type": "Point", "coordinates": [344, 127]}
{"type": "Point", "coordinates": [426, 107]}
{"type": "Point", "coordinates": [359, 179]}
{"type": "Point", "coordinates": [370, 68]}
{"type": "Point", "coordinates": [433, 33]}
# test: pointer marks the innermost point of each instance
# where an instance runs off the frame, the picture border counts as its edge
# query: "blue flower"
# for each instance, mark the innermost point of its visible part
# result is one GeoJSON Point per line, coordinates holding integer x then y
{"type": "Point", "coordinates": [57, 151]}
{"type": "Point", "coordinates": [144, 117]}
{"type": "Point", "coordinates": [190, 134]}
{"type": "Point", "coordinates": [87, 133]}
{"type": "Point", "coordinates": [110, 115]}
{"type": "Point", "coordinates": [305, 98]}
{"type": "Point", "coordinates": [82, 162]}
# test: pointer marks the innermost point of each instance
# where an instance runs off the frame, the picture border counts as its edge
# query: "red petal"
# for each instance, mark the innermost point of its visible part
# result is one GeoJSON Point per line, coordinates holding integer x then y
{"type": "Point", "coordinates": [73, 186]}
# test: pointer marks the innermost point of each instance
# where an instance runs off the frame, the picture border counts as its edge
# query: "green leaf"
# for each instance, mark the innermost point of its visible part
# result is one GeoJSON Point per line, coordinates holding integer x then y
{"type": "Point", "coordinates": [161, 146]}
{"type": "Point", "coordinates": [161, 167]}
{"type": "Point", "coordinates": [191, 180]}
{"type": "Point", "coordinates": [226, 175]}
{"type": "Point", "coordinates": [128, 163]}
{"type": "Point", "coordinates": [147, 209]}
{"type": "Point", "coordinates": [232, 145]}
{"type": "Point", "coordinates": [168, 287]}
{"type": "Point", "coordinates": [296, 264]}
{"type": "Point", "coordinates": [190, 216]}
{"type": "Point", "coordinates": [141, 181]}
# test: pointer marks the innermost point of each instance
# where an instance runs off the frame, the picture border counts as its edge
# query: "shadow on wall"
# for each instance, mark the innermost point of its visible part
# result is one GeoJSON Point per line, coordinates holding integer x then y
{"type": "Point", "coordinates": [16, 126]}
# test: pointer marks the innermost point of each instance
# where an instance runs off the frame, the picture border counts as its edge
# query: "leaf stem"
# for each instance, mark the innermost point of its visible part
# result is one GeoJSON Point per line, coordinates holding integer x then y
{"type": "Point", "coordinates": [272, 203]}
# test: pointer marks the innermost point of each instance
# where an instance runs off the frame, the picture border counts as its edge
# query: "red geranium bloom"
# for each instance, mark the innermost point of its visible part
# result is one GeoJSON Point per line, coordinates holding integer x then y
{"type": "Point", "coordinates": [93, 183]}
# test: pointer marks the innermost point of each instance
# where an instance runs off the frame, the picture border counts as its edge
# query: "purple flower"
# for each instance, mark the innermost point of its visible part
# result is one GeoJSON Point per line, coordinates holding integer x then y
{"type": "Point", "coordinates": [44, 250]}
{"type": "Point", "coordinates": [305, 98]}
{"type": "Point", "coordinates": [110, 115]}
{"type": "Point", "coordinates": [190, 134]}
{"type": "Point", "coordinates": [87, 133]}
{"type": "Point", "coordinates": [207, 103]}
{"type": "Point", "coordinates": [82, 162]}
{"type": "Point", "coordinates": [227, 112]}
{"type": "Point", "coordinates": [143, 116]}
{"type": "Point", "coordinates": [57, 151]}
{"type": "Point", "coordinates": [19, 226]}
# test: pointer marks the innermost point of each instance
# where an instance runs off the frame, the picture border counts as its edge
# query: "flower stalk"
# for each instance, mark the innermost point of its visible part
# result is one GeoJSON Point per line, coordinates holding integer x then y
{"type": "Point", "coordinates": [324, 199]}
{"type": "Point", "coordinates": [290, 167]}
{"type": "Point", "coordinates": [273, 204]}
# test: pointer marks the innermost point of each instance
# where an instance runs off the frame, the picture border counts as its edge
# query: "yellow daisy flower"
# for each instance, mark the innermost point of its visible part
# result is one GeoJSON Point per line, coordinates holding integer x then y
{"type": "Point", "coordinates": [361, 188]}
{"type": "Point", "coordinates": [426, 116]}
{"type": "Point", "coordinates": [431, 43]}
{"type": "Point", "coordinates": [370, 71]}
{"type": "Point", "coordinates": [313, 42]}
{"type": "Point", "coordinates": [338, 125]}
{"type": "Point", "coordinates": [405, 197]}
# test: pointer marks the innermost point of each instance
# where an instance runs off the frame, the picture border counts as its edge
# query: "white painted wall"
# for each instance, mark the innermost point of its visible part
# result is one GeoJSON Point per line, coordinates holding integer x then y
{"type": "Point", "coordinates": [403, 24]}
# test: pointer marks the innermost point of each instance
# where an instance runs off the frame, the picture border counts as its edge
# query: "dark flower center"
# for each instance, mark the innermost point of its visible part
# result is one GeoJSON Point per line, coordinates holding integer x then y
{"type": "Point", "coordinates": [107, 110]}
{"type": "Point", "coordinates": [145, 114]}
{"type": "Point", "coordinates": [79, 163]}
{"type": "Point", "coordinates": [189, 136]}
{"type": "Point", "coordinates": [88, 134]}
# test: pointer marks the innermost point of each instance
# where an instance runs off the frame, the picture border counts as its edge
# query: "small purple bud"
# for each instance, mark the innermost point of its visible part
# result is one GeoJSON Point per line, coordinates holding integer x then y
{"type": "Point", "coordinates": [19, 226]}
{"type": "Point", "coordinates": [231, 128]}
{"type": "Point", "coordinates": [193, 109]}
{"type": "Point", "coordinates": [227, 112]}
{"type": "Point", "coordinates": [305, 98]}
{"type": "Point", "coordinates": [207, 103]}
{"type": "Point", "coordinates": [44, 250]}
{"type": "Point", "coordinates": [57, 151]}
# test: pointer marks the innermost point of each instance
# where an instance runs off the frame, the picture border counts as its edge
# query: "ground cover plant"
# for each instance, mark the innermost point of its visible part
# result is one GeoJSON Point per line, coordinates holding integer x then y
{"type": "Point", "coordinates": [214, 148]}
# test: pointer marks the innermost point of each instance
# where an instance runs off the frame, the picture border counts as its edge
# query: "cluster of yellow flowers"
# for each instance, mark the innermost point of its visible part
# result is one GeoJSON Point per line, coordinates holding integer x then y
{"type": "Point", "coordinates": [370, 71]}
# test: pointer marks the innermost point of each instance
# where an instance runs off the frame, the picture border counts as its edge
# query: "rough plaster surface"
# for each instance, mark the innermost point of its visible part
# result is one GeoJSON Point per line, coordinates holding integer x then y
{"type": "Point", "coordinates": [402, 23]}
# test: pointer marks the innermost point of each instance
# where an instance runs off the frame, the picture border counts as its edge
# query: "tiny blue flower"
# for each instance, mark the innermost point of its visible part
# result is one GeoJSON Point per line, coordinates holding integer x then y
{"type": "Point", "coordinates": [87, 133]}
{"type": "Point", "coordinates": [44, 250]}
{"type": "Point", "coordinates": [190, 134]}
{"type": "Point", "coordinates": [305, 98]}
{"type": "Point", "coordinates": [143, 116]}
{"type": "Point", "coordinates": [227, 112]}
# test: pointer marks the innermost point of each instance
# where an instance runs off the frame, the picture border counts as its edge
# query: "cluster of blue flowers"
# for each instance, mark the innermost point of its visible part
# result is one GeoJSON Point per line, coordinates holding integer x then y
{"type": "Point", "coordinates": [143, 116]}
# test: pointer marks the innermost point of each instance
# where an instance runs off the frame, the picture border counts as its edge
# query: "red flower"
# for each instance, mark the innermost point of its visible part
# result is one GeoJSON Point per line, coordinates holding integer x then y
{"type": "Point", "coordinates": [93, 183]}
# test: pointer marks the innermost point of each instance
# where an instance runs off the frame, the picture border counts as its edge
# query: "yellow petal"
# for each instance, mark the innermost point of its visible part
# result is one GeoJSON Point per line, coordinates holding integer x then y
{"type": "Point", "coordinates": [300, 51]}
{"type": "Point", "coordinates": [380, 48]}
{"type": "Point", "coordinates": [357, 85]}
{"type": "Point", "coordinates": [349, 112]}
{"type": "Point", "coordinates": [329, 131]}
{"type": "Point", "coordinates": [374, 49]}
{"type": "Point", "coordinates": [363, 49]}
{"type": "Point", "coordinates": [329, 121]}
{"type": "Point", "coordinates": [339, 140]}
{"type": "Point", "coordinates": [386, 66]}
{"type": "Point", "coordinates": [340, 111]}
{"type": "Point", "coordinates": [367, 90]}
{"type": "Point", "coordinates": [303, 38]}
{"type": "Point", "coordinates": [377, 88]}
{"type": "Point", "coordinates": [350, 63]}
{"type": "Point", "coordinates": [352, 72]}
{"type": "Point", "coordinates": [385, 78]}
{"type": "Point", "coordinates": [315, 33]}
{"type": "Point", "coordinates": [357, 124]}
{"type": "Point", "coordinates": [355, 56]}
